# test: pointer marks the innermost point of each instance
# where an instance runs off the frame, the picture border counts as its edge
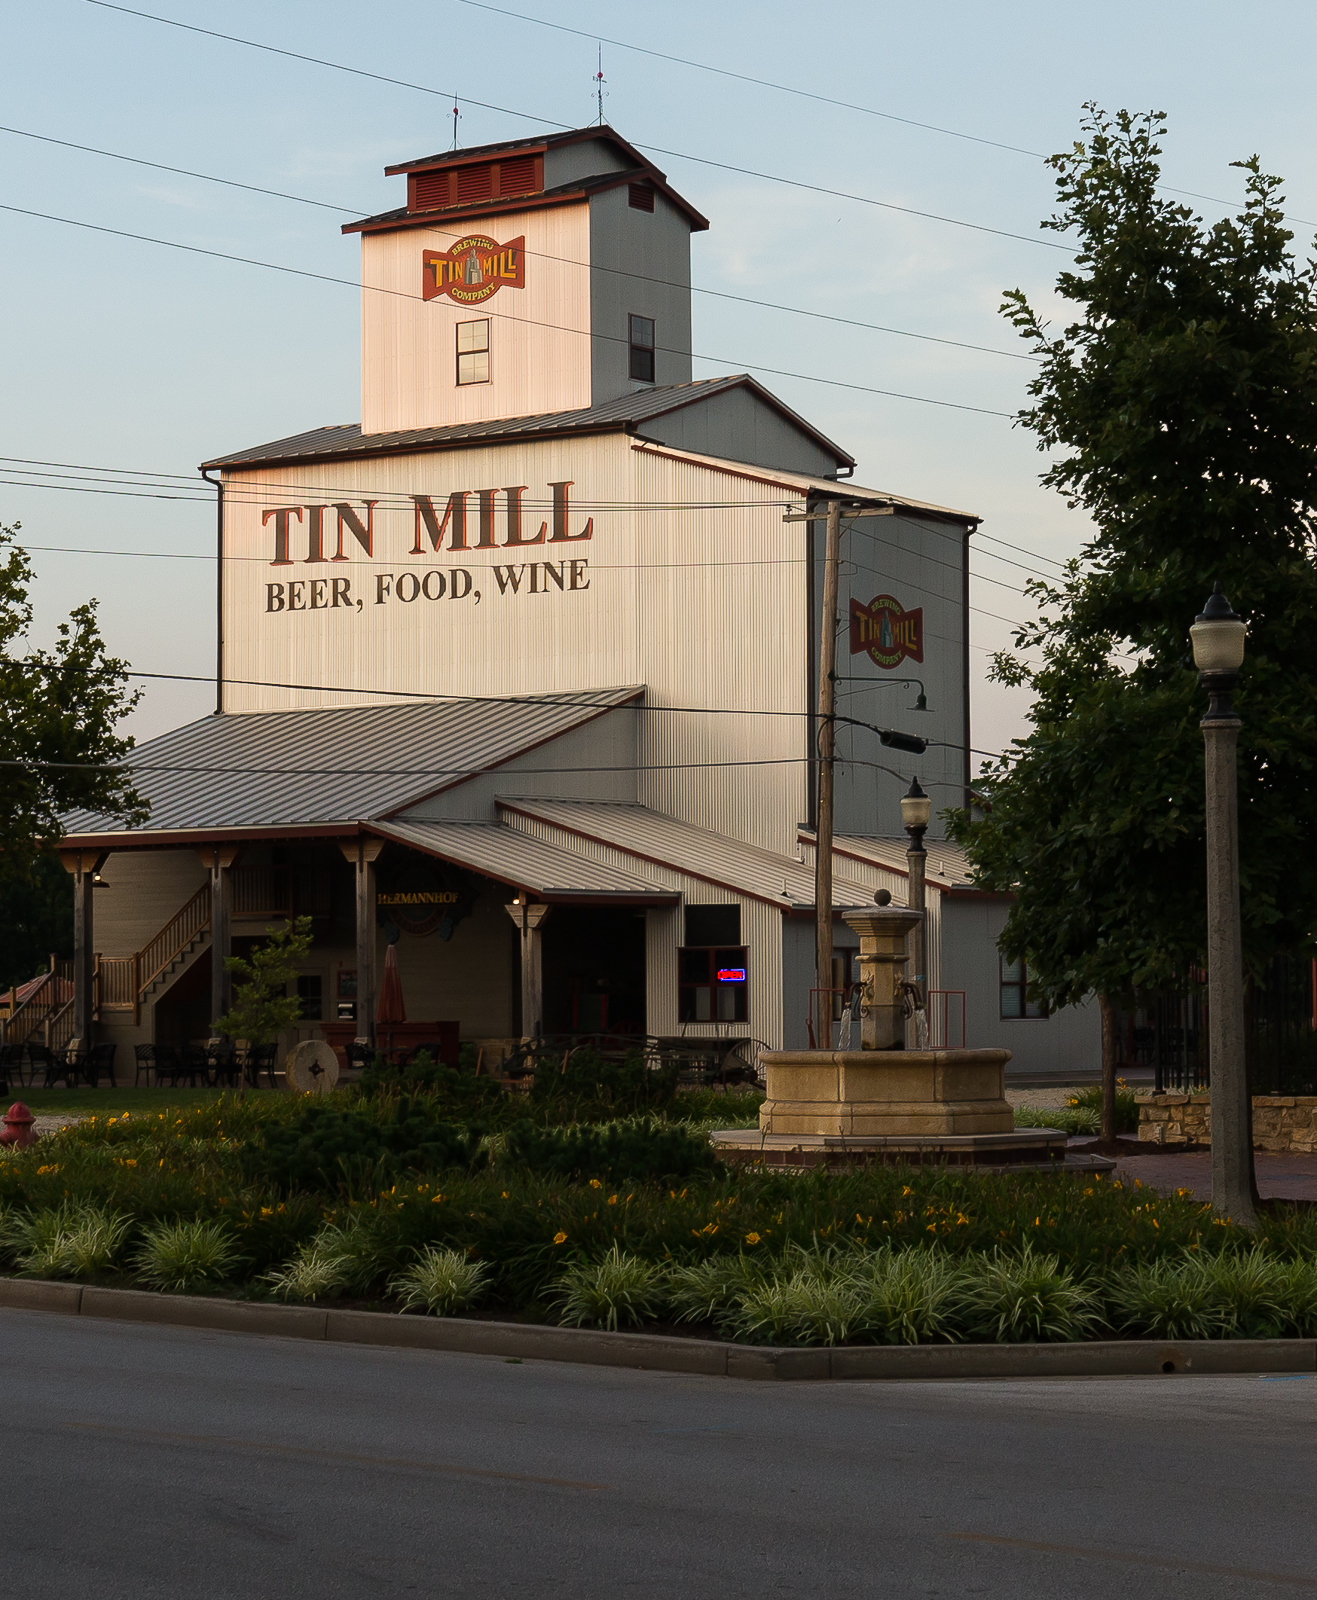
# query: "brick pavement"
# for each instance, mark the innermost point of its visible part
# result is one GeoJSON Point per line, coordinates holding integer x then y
{"type": "Point", "coordinates": [1281, 1176]}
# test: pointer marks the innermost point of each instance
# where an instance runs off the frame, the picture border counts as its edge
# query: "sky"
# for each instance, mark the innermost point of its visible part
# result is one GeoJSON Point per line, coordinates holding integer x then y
{"type": "Point", "coordinates": [117, 353]}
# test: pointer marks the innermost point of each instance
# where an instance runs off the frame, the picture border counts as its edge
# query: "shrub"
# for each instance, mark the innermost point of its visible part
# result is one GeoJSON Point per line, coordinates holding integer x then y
{"type": "Point", "coordinates": [178, 1256]}
{"type": "Point", "coordinates": [314, 1274]}
{"type": "Point", "coordinates": [330, 1147]}
{"type": "Point", "coordinates": [623, 1152]}
{"type": "Point", "coordinates": [620, 1289]}
{"type": "Point", "coordinates": [1026, 1298]}
{"type": "Point", "coordinates": [583, 1085]}
{"type": "Point", "coordinates": [441, 1281]}
{"type": "Point", "coordinates": [71, 1241]}
{"type": "Point", "coordinates": [1163, 1300]}
{"type": "Point", "coordinates": [1127, 1105]}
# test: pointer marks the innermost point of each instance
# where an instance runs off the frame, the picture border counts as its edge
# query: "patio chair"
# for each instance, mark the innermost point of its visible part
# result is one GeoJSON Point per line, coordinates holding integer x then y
{"type": "Point", "coordinates": [100, 1058]}
{"type": "Point", "coordinates": [143, 1062]}
{"type": "Point", "coordinates": [41, 1058]}
{"type": "Point", "coordinates": [194, 1065]}
{"type": "Point", "coordinates": [222, 1064]}
{"type": "Point", "coordinates": [261, 1058]}
{"type": "Point", "coordinates": [164, 1063]}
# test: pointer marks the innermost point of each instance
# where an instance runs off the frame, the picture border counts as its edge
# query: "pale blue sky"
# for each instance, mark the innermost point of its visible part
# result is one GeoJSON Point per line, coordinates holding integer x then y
{"type": "Point", "coordinates": [123, 354]}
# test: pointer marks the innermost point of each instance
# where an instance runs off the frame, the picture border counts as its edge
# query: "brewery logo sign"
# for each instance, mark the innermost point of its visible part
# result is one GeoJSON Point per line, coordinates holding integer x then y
{"type": "Point", "coordinates": [473, 269]}
{"type": "Point", "coordinates": [886, 632]}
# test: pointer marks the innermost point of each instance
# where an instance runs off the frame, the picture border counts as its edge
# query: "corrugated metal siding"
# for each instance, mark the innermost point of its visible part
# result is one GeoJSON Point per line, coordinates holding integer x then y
{"type": "Point", "coordinates": [331, 765]}
{"type": "Point", "coordinates": [538, 335]}
{"type": "Point", "coordinates": [597, 762]}
{"type": "Point", "coordinates": [655, 246]}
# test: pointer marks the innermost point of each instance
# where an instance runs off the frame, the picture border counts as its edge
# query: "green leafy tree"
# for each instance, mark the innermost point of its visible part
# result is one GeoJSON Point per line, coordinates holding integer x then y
{"type": "Point", "coordinates": [262, 1007]}
{"type": "Point", "coordinates": [1179, 408]}
{"type": "Point", "coordinates": [59, 708]}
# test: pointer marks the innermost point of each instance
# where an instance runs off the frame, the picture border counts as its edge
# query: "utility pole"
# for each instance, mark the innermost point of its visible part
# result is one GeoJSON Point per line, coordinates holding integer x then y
{"type": "Point", "coordinates": [828, 733]}
{"type": "Point", "coordinates": [827, 746]}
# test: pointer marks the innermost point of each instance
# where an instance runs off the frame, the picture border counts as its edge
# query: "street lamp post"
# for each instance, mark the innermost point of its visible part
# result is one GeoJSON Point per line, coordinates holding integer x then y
{"type": "Point", "coordinates": [915, 810]}
{"type": "Point", "coordinates": [1218, 646]}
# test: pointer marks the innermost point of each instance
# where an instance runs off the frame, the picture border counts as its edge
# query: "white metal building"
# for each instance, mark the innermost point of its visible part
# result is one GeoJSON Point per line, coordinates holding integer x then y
{"type": "Point", "coordinates": [535, 637]}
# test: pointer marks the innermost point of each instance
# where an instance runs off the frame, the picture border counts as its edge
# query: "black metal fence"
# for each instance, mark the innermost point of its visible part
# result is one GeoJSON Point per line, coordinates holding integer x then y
{"type": "Point", "coordinates": [1168, 1033]}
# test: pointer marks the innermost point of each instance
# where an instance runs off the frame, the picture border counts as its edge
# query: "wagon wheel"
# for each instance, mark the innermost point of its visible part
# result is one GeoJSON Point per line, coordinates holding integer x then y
{"type": "Point", "coordinates": [744, 1063]}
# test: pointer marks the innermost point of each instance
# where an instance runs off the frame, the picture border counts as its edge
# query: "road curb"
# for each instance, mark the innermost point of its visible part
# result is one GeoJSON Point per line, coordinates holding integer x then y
{"type": "Point", "coordinates": [660, 1352]}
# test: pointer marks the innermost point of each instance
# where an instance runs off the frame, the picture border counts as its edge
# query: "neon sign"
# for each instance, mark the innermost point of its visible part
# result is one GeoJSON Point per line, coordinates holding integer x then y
{"type": "Point", "coordinates": [731, 974]}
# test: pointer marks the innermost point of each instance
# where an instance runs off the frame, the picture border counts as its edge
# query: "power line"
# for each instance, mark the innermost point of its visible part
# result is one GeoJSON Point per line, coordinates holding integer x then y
{"type": "Point", "coordinates": [770, 177]}
{"type": "Point", "coordinates": [809, 94]}
{"type": "Point", "coordinates": [544, 255]}
{"type": "Point", "coordinates": [350, 283]}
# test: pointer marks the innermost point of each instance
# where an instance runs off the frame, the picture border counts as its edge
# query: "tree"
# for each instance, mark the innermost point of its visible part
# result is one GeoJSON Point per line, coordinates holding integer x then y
{"type": "Point", "coordinates": [58, 712]}
{"type": "Point", "coordinates": [262, 1007]}
{"type": "Point", "coordinates": [37, 921]}
{"type": "Point", "coordinates": [1181, 407]}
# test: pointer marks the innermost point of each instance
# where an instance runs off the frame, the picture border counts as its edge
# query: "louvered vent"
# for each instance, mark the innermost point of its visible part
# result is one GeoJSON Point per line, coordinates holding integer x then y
{"type": "Point", "coordinates": [431, 190]}
{"type": "Point", "coordinates": [641, 197]}
{"type": "Point", "coordinates": [517, 177]}
{"type": "Point", "coordinates": [474, 183]}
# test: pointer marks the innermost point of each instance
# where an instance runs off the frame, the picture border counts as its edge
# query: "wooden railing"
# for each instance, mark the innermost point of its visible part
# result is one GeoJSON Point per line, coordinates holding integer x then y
{"type": "Point", "coordinates": [270, 891]}
{"type": "Point", "coordinates": [172, 940]}
{"type": "Point", "coordinates": [51, 996]}
{"type": "Point", "coordinates": [115, 986]}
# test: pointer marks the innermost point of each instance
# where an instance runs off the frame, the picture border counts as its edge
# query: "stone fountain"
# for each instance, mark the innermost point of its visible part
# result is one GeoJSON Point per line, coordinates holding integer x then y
{"type": "Point", "coordinates": [883, 1102]}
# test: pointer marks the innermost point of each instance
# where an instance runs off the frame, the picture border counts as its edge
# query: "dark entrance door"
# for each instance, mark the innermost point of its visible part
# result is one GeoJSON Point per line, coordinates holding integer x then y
{"type": "Point", "coordinates": [594, 971]}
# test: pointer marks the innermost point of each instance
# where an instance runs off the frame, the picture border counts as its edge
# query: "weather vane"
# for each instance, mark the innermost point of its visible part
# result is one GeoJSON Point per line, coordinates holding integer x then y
{"type": "Point", "coordinates": [599, 81]}
{"type": "Point", "coordinates": [456, 114]}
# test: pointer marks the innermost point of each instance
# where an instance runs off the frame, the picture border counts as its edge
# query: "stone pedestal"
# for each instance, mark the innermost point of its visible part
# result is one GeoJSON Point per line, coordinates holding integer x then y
{"type": "Point", "coordinates": [882, 931]}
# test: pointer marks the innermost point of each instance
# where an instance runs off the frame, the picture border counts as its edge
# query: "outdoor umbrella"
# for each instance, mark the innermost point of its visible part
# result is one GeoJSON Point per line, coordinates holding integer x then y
{"type": "Point", "coordinates": [390, 1007]}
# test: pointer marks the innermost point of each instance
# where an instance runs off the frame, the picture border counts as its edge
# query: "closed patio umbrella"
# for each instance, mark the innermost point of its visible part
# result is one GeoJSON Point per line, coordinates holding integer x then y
{"type": "Point", "coordinates": [390, 1007]}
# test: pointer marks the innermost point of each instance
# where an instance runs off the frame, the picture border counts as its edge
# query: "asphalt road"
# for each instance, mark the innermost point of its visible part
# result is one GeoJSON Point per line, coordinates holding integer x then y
{"type": "Point", "coordinates": [151, 1462]}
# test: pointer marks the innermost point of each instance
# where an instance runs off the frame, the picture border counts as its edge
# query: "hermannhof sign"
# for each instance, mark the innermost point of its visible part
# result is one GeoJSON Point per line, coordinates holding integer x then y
{"type": "Point", "coordinates": [473, 269]}
{"type": "Point", "coordinates": [886, 632]}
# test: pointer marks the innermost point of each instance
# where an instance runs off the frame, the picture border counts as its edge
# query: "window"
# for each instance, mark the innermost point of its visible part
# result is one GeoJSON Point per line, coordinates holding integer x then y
{"type": "Point", "coordinates": [310, 993]}
{"type": "Point", "coordinates": [709, 925]}
{"type": "Point", "coordinates": [1015, 1002]}
{"type": "Point", "coordinates": [712, 984]}
{"type": "Point", "coordinates": [473, 351]}
{"type": "Point", "coordinates": [642, 348]}
{"type": "Point", "coordinates": [640, 197]}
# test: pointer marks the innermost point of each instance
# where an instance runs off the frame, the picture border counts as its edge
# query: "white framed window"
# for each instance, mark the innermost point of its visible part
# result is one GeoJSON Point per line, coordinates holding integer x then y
{"type": "Point", "coordinates": [473, 351]}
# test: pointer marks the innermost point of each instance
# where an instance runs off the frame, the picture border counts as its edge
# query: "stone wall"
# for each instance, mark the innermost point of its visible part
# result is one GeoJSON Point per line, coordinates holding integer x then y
{"type": "Point", "coordinates": [1280, 1122]}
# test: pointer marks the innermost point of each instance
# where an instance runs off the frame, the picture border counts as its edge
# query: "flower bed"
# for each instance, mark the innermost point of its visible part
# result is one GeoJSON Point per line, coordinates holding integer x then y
{"type": "Point", "coordinates": [419, 1201]}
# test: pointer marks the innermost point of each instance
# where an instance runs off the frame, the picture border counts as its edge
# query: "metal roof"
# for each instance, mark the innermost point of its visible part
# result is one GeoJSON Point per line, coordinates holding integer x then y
{"type": "Point", "coordinates": [697, 852]}
{"type": "Point", "coordinates": [346, 440]}
{"type": "Point", "coordinates": [803, 484]}
{"type": "Point", "coordinates": [272, 769]}
{"type": "Point", "coordinates": [948, 866]}
{"type": "Point", "coordinates": [524, 862]}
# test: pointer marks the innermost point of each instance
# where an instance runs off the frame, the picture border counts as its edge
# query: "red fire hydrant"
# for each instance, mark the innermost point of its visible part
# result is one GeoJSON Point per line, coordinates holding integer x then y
{"type": "Point", "coordinates": [18, 1126]}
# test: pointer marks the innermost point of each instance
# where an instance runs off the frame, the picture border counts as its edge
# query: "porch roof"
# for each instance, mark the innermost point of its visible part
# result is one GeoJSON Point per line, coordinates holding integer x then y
{"type": "Point", "coordinates": [667, 843]}
{"type": "Point", "coordinates": [523, 862]}
{"type": "Point", "coordinates": [328, 767]}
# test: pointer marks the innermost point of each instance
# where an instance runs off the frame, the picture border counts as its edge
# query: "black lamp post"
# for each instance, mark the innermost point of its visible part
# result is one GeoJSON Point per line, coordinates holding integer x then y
{"type": "Point", "coordinates": [1218, 646]}
{"type": "Point", "coordinates": [915, 811]}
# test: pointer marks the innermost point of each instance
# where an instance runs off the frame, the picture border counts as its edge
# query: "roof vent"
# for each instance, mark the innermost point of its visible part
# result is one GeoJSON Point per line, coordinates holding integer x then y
{"type": "Point", "coordinates": [640, 197]}
{"type": "Point", "coordinates": [430, 190]}
{"type": "Point", "coordinates": [517, 177]}
{"type": "Point", "coordinates": [475, 183]}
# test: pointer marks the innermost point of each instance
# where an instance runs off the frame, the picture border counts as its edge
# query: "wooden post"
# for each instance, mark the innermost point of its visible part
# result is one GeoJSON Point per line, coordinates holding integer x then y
{"type": "Point", "coordinates": [827, 744]}
{"type": "Point", "coordinates": [363, 852]}
{"type": "Point", "coordinates": [82, 865]}
{"type": "Point", "coordinates": [528, 919]}
{"type": "Point", "coordinates": [219, 858]}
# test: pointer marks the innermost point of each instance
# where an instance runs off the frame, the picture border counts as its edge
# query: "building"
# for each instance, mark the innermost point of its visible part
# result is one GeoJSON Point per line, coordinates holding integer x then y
{"type": "Point", "coordinates": [519, 672]}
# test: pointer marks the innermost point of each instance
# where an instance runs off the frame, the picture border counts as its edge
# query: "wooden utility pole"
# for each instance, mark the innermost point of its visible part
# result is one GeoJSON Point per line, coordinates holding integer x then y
{"type": "Point", "coordinates": [827, 746]}
{"type": "Point", "coordinates": [828, 735]}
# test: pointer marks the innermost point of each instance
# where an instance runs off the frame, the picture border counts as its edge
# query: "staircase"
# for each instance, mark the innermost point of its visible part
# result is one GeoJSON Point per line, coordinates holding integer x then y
{"type": "Point", "coordinates": [45, 1015]}
{"type": "Point", "coordinates": [127, 983]}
